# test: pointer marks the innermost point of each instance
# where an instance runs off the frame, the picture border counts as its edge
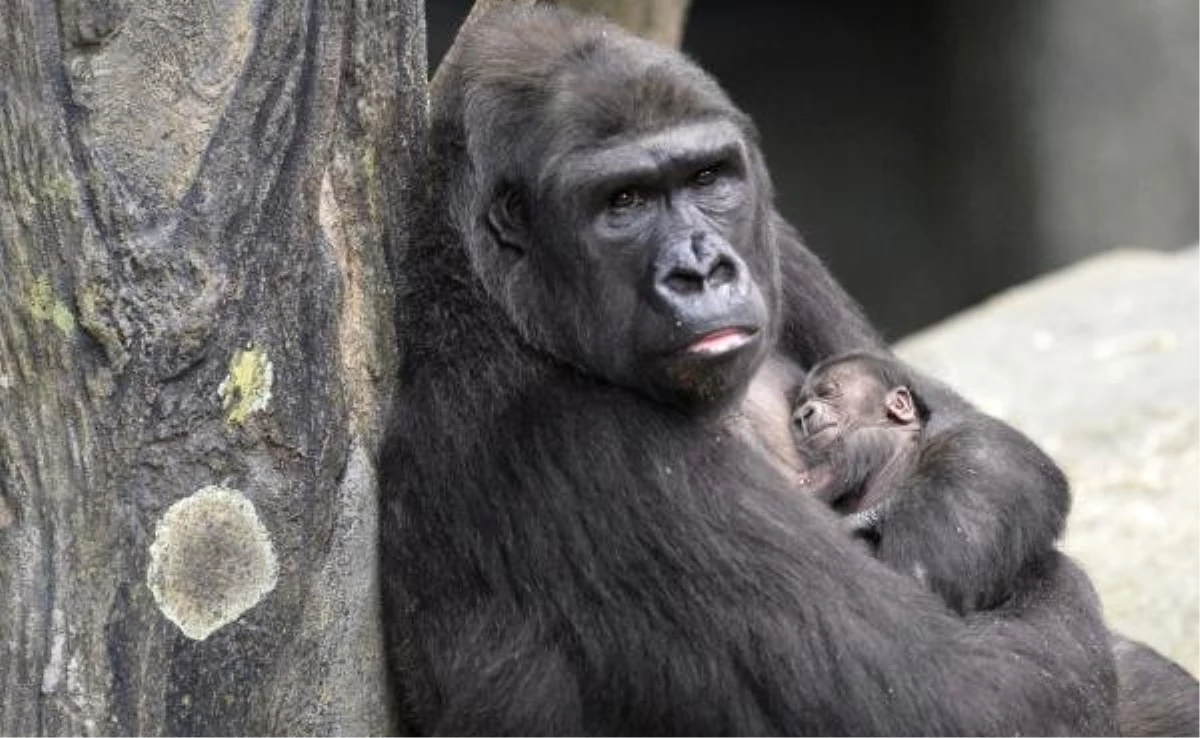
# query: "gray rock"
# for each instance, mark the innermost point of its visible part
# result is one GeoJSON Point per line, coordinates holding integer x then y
{"type": "Point", "coordinates": [1098, 363]}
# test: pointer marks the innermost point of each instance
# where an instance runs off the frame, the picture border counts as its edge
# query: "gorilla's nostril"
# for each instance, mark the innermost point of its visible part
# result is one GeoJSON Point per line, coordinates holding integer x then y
{"type": "Point", "coordinates": [723, 273]}
{"type": "Point", "coordinates": [687, 280]}
{"type": "Point", "coordinates": [803, 417]}
{"type": "Point", "coordinates": [683, 282]}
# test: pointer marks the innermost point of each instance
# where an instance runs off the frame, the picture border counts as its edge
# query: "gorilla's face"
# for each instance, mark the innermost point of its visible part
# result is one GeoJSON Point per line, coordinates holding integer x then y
{"type": "Point", "coordinates": [615, 204]}
{"type": "Point", "coordinates": [648, 246]}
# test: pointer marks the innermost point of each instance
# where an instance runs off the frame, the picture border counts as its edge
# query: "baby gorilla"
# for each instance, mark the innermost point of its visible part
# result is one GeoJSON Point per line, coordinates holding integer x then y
{"type": "Point", "coordinates": [961, 501]}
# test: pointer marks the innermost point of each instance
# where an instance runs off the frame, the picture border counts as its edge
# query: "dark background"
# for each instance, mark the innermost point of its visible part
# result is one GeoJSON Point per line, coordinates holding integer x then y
{"type": "Point", "coordinates": [936, 151]}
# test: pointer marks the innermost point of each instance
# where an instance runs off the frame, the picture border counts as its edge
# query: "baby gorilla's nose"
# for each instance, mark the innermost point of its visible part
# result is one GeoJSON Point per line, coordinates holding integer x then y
{"type": "Point", "coordinates": [803, 417]}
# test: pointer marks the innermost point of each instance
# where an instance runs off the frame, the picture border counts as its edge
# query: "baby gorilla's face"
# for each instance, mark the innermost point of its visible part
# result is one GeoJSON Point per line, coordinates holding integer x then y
{"type": "Point", "coordinates": [836, 401]}
{"type": "Point", "coordinates": [847, 425]}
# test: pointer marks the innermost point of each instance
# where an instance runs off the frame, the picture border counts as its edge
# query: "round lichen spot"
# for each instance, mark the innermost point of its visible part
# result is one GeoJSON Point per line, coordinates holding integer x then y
{"type": "Point", "coordinates": [211, 560]}
{"type": "Point", "coordinates": [247, 387]}
{"type": "Point", "coordinates": [44, 306]}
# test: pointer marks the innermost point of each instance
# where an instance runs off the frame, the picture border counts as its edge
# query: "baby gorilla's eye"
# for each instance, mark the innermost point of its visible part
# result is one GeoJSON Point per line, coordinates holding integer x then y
{"type": "Point", "coordinates": [826, 390]}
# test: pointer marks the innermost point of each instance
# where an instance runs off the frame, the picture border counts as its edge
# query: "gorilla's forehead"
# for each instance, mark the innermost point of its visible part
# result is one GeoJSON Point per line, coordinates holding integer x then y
{"type": "Point", "coordinates": [607, 99]}
{"type": "Point", "coordinates": [684, 146]}
{"type": "Point", "coordinates": [616, 85]}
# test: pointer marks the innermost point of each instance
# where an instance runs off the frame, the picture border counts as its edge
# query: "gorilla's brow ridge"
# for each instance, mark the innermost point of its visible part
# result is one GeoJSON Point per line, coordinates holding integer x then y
{"type": "Point", "coordinates": [699, 143]}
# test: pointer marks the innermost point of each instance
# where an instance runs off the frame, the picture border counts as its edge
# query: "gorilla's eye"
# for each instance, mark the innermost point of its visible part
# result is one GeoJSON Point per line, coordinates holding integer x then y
{"type": "Point", "coordinates": [626, 199]}
{"type": "Point", "coordinates": [707, 176]}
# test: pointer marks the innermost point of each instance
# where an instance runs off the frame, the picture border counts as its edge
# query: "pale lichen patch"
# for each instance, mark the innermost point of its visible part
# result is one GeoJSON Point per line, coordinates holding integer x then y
{"type": "Point", "coordinates": [211, 560]}
{"type": "Point", "coordinates": [8, 516]}
{"type": "Point", "coordinates": [247, 387]}
{"type": "Point", "coordinates": [45, 306]}
{"type": "Point", "coordinates": [53, 673]}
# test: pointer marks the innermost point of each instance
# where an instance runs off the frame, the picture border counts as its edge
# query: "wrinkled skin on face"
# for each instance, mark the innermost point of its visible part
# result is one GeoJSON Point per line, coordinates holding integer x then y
{"type": "Point", "coordinates": [635, 247]}
{"type": "Point", "coordinates": [661, 255]}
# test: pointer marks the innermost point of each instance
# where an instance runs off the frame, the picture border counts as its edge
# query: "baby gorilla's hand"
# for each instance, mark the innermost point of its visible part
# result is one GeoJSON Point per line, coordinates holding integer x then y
{"type": "Point", "coordinates": [867, 525]}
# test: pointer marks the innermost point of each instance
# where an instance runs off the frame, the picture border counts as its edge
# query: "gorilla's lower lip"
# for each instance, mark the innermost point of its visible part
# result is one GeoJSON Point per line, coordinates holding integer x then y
{"type": "Point", "coordinates": [721, 341]}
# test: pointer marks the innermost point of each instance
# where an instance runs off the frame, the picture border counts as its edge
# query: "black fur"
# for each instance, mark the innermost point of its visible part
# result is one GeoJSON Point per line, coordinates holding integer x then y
{"type": "Point", "coordinates": [1156, 696]}
{"type": "Point", "coordinates": [976, 516]}
{"type": "Point", "coordinates": [571, 545]}
{"type": "Point", "coordinates": [976, 500]}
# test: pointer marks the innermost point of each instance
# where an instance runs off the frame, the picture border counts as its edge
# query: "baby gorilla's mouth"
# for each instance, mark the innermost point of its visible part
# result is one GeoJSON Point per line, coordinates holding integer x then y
{"type": "Point", "coordinates": [721, 342]}
{"type": "Point", "coordinates": [807, 430]}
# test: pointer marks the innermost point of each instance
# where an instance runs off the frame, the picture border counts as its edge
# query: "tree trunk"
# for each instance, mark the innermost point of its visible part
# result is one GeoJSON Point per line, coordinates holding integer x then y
{"type": "Point", "coordinates": [196, 206]}
{"type": "Point", "coordinates": [199, 206]}
{"type": "Point", "coordinates": [658, 20]}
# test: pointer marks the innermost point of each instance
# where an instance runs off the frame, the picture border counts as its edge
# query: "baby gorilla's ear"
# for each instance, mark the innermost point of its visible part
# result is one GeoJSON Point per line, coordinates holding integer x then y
{"type": "Point", "coordinates": [900, 406]}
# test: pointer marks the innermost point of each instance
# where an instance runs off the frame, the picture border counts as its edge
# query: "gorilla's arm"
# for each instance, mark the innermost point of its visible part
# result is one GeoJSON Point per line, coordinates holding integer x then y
{"type": "Point", "coordinates": [595, 564]}
{"type": "Point", "coordinates": [981, 503]}
{"type": "Point", "coordinates": [1054, 618]}
{"type": "Point", "coordinates": [819, 318]}
{"type": "Point", "coordinates": [1157, 696]}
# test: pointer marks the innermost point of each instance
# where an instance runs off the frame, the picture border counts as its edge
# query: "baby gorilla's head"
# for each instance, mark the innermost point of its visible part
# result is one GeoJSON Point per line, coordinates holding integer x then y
{"type": "Point", "coordinates": [854, 415]}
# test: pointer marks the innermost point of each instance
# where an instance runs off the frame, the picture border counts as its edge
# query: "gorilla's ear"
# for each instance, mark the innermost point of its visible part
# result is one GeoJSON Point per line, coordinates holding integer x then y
{"type": "Point", "coordinates": [508, 218]}
{"type": "Point", "coordinates": [900, 405]}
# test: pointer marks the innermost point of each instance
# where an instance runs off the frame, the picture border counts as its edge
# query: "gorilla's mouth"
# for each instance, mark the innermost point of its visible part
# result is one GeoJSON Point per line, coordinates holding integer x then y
{"type": "Point", "coordinates": [722, 341]}
{"type": "Point", "coordinates": [809, 432]}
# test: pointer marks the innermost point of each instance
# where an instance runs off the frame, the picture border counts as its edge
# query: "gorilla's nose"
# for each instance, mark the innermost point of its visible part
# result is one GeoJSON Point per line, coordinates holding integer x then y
{"type": "Point", "coordinates": [803, 417]}
{"type": "Point", "coordinates": [695, 265]}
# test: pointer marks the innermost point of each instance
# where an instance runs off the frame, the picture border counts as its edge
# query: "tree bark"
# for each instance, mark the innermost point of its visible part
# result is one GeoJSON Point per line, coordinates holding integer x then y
{"type": "Point", "coordinates": [200, 205]}
{"type": "Point", "coordinates": [660, 21]}
{"type": "Point", "coordinates": [197, 207]}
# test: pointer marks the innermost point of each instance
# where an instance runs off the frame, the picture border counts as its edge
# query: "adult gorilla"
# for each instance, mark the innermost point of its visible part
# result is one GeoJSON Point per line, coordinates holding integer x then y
{"type": "Point", "coordinates": [573, 542]}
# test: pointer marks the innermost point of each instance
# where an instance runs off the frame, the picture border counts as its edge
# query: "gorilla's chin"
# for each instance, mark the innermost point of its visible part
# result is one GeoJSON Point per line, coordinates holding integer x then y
{"type": "Point", "coordinates": [712, 372]}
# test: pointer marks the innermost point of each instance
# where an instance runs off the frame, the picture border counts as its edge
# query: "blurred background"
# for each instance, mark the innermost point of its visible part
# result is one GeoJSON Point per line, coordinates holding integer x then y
{"type": "Point", "coordinates": [934, 152]}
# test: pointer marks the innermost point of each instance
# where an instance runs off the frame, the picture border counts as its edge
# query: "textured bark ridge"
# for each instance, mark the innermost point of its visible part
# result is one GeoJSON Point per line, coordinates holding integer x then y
{"type": "Point", "coordinates": [200, 203]}
{"type": "Point", "coordinates": [661, 21]}
{"type": "Point", "coordinates": [197, 207]}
